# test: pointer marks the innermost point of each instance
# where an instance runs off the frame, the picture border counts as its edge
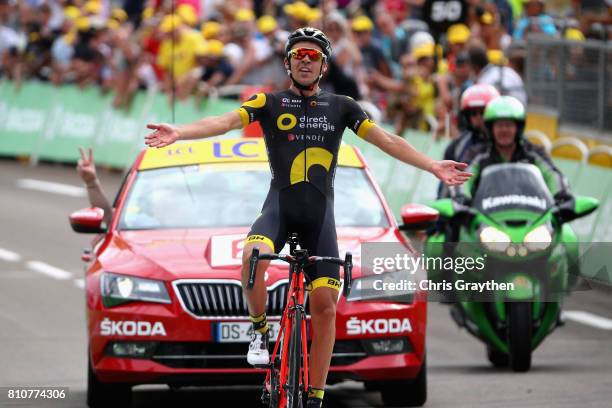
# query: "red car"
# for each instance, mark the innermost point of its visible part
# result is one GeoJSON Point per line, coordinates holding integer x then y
{"type": "Point", "coordinates": [164, 300]}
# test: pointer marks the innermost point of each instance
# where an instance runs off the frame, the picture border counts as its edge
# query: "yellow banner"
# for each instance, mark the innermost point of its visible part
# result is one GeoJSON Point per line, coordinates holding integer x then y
{"type": "Point", "coordinates": [223, 151]}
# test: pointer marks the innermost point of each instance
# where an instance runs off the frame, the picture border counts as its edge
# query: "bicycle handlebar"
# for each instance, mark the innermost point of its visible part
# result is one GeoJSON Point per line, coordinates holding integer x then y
{"type": "Point", "coordinates": [346, 263]}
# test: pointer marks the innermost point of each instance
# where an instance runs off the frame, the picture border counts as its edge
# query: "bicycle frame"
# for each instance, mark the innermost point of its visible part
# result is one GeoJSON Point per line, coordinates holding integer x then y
{"type": "Point", "coordinates": [295, 299]}
{"type": "Point", "coordinates": [295, 303]}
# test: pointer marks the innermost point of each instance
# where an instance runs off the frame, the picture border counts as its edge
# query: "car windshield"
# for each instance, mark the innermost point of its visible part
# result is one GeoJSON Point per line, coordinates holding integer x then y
{"type": "Point", "coordinates": [512, 186]}
{"type": "Point", "coordinates": [222, 195]}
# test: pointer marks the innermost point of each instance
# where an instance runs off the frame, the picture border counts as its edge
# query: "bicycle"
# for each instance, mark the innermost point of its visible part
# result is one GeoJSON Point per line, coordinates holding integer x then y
{"type": "Point", "coordinates": [287, 376]}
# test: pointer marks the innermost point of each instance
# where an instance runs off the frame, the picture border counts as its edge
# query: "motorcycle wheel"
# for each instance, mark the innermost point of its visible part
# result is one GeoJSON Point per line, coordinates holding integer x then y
{"type": "Point", "coordinates": [496, 357]}
{"type": "Point", "coordinates": [519, 335]}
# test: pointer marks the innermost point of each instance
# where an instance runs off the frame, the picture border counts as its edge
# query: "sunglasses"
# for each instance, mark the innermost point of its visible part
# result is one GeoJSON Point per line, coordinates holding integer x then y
{"type": "Point", "coordinates": [474, 112]}
{"type": "Point", "coordinates": [301, 53]}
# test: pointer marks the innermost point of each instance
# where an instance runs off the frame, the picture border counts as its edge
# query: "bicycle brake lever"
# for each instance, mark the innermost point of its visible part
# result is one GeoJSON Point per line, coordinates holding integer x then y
{"type": "Point", "coordinates": [253, 268]}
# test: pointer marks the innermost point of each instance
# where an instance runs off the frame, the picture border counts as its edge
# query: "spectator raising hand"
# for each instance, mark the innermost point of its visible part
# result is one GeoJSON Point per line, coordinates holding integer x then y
{"type": "Point", "coordinates": [86, 169]}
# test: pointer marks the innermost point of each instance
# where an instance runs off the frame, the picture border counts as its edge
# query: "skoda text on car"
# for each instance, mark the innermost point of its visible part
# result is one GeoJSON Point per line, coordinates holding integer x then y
{"type": "Point", "coordinates": [164, 299]}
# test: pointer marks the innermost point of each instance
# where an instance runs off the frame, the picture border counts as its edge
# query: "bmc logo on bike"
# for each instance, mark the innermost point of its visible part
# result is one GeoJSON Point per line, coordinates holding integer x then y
{"type": "Point", "coordinates": [355, 326]}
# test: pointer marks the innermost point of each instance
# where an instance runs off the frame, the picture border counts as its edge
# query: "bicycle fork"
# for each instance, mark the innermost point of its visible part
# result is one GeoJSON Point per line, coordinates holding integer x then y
{"type": "Point", "coordinates": [279, 378]}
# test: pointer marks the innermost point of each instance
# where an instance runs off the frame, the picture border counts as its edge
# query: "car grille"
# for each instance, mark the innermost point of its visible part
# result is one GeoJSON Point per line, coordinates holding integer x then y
{"type": "Point", "coordinates": [233, 355]}
{"type": "Point", "coordinates": [225, 299]}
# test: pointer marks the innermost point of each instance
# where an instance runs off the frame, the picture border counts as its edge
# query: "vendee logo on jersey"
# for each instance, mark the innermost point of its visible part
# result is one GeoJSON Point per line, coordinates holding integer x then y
{"type": "Point", "coordinates": [311, 138]}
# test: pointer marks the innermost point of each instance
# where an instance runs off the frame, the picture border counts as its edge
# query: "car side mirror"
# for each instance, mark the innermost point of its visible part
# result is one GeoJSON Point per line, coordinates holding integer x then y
{"type": "Point", "coordinates": [416, 217]}
{"type": "Point", "coordinates": [578, 207]}
{"type": "Point", "coordinates": [88, 221]}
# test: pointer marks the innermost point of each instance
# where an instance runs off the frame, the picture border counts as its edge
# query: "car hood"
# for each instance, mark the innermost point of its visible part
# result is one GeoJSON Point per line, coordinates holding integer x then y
{"type": "Point", "coordinates": [199, 253]}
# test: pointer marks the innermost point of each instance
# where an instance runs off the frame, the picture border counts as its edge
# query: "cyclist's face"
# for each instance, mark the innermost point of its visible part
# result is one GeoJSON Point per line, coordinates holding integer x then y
{"type": "Point", "coordinates": [306, 70]}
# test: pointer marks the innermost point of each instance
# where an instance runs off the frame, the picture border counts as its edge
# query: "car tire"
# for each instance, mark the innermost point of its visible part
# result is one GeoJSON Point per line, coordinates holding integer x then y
{"type": "Point", "coordinates": [104, 395]}
{"type": "Point", "coordinates": [406, 393]}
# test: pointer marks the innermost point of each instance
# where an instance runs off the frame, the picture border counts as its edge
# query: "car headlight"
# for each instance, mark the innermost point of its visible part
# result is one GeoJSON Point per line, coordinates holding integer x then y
{"type": "Point", "coordinates": [389, 286]}
{"type": "Point", "coordinates": [494, 239]}
{"type": "Point", "coordinates": [539, 239]}
{"type": "Point", "coordinates": [119, 289]}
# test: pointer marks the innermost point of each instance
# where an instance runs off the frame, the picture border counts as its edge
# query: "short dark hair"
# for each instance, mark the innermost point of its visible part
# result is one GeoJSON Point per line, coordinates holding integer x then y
{"type": "Point", "coordinates": [462, 58]}
{"type": "Point", "coordinates": [478, 55]}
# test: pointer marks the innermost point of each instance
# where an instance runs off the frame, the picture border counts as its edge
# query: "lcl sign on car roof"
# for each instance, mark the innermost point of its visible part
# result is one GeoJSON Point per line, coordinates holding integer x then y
{"type": "Point", "coordinates": [223, 151]}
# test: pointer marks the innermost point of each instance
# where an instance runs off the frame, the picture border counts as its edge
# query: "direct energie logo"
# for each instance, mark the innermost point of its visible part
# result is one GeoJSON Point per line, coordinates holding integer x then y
{"type": "Point", "coordinates": [286, 121]}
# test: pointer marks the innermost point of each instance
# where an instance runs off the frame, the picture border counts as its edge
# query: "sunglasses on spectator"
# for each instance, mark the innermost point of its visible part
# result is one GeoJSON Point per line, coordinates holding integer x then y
{"type": "Point", "coordinates": [301, 53]}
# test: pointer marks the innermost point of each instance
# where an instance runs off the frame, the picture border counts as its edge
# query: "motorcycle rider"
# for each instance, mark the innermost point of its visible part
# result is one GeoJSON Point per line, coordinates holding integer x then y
{"type": "Point", "coordinates": [471, 124]}
{"type": "Point", "coordinates": [504, 120]}
{"type": "Point", "coordinates": [473, 134]}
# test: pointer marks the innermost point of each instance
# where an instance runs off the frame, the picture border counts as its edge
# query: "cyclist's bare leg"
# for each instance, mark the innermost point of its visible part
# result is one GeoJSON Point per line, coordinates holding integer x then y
{"type": "Point", "coordinates": [256, 297]}
{"type": "Point", "coordinates": [323, 318]}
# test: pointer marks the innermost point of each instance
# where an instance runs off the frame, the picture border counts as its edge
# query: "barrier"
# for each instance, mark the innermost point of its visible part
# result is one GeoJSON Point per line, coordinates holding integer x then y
{"type": "Point", "coordinates": [46, 122]}
{"type": "Point", "coordinates": [571, 78]}
{"type": "Point", "coordinates": [23, 117]}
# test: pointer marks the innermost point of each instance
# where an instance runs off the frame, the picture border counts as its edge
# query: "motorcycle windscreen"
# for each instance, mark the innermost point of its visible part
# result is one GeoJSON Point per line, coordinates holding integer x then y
{"type": "Point", "coordinates": [512, 186]}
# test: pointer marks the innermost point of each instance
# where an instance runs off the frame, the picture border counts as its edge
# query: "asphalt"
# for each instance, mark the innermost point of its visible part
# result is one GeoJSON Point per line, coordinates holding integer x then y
{"type": "Point", "coordinates": [43, 335]}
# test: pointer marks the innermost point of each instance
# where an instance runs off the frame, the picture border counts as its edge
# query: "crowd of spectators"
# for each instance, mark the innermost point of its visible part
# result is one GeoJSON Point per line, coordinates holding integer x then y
{"type": "Point", "coordinates": [409, 59]}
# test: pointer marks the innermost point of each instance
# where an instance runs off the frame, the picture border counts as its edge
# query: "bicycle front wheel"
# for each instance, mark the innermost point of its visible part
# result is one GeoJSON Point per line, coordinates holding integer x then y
{"type": "Point", "coordinates": [294, 391]}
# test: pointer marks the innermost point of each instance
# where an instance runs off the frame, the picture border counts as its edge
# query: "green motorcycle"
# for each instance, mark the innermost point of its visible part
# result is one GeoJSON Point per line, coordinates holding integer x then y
{"type": "Point", "coordinates": [529, 251]}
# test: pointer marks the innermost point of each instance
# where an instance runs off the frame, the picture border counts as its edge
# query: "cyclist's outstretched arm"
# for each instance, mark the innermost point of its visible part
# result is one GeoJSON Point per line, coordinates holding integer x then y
{"type": "Point", "coordinates": [165, 134]}
{"type": "Point", "coordinates": [448, 171]}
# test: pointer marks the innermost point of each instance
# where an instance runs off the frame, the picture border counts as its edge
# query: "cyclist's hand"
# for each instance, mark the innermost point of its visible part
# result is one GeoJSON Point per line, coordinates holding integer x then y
{"type": "Point", "coordinates": [86, 167]}
{"type": "Point", "coordinates": [164, 135]}
{"type": "Point", "coordinates": [451, 172]}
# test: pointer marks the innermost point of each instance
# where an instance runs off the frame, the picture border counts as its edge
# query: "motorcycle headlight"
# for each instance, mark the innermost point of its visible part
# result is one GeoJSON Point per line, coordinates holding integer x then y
{"type": "Point", "coordinates": [389, 286]}
{"type": "Point", "coordinates": [494, 239]}
{"type": "Point", "coordinates": [119, 289]}
{"type": "Point", "coordinates": [539, 239]}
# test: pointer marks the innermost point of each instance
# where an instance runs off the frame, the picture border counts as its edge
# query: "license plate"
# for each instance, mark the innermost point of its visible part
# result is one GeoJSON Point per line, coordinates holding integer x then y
{"type": "Point", "coordinates": [240, 332]}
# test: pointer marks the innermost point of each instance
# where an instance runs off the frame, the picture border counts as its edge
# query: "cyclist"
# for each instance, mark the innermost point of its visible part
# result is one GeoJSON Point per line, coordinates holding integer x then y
{"type": "Point", "coordinates": [504, 119]}
{"type": "Point", "coordinates": [303, 127]}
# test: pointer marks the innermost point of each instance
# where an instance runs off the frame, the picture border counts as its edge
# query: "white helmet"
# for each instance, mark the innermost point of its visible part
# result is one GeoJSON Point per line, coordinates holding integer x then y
{"type": "Point", "coordinates": [419, 38]}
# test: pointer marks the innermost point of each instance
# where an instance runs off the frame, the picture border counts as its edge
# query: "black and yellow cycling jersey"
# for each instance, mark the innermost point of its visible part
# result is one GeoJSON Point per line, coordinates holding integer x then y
{"type": "Point", "coordinates": [303, 136]}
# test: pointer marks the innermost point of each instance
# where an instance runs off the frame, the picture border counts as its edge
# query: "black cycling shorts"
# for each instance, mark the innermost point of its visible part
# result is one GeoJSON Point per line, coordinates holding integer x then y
{"type": "Point", "coordinates": [302, 209]}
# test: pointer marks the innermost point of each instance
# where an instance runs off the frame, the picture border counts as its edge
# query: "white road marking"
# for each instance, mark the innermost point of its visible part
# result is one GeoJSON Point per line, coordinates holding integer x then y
{"type": "Point", "coordinates": [79, 283]}
{"type": "Point", "coordinates": [51, 187]}
{"type": "Point", "coordinates": [49, 270]}
{"type": "Point", "coordinates": [10, 256]}
{"type": "Point", "coordinates": [589, 319]}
